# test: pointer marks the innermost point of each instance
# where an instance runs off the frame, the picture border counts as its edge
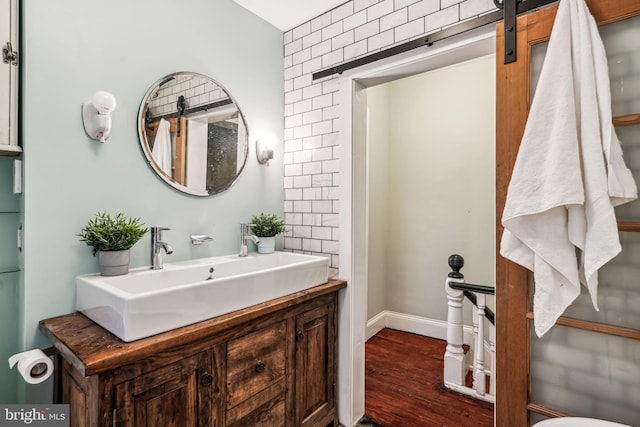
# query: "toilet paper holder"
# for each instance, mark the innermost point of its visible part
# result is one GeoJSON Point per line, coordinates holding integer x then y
{"type": "Point", "coordinates": [35, 365]}
{"type": "Point", "coordinates": [50, 351]}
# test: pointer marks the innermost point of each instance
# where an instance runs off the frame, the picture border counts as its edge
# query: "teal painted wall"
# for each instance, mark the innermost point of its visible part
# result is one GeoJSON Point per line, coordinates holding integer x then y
{"type": "Point", "coordinates": [9, 280]}
{"type": "Point", "coordinates": [71, 48]}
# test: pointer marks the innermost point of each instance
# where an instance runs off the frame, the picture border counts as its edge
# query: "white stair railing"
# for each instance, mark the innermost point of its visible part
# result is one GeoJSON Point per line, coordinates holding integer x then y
{"type": "Point", "coordinates": [457, 363]}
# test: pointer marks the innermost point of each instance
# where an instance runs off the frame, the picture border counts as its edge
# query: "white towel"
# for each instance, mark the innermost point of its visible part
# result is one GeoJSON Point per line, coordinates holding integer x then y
{"type": "Point", "coordinates": [162, 147]}
{"type": "Point", "coordinates": [569, 173]}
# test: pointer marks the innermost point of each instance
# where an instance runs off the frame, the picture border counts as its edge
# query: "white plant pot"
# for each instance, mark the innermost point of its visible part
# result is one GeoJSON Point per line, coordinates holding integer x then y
{"type": "Point", "coordinates": [267, 245]}
{"type": "Point", "coordinates": [113, 263]}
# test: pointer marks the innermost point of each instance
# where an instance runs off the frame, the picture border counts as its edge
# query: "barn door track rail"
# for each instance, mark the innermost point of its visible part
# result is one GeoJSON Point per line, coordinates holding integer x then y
{"type": "Point", "coordinates": [508, 10]}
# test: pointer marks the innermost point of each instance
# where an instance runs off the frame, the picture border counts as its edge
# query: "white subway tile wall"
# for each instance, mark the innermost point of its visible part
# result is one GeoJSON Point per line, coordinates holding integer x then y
{"type": "Point", "coordinates": [311, 135]}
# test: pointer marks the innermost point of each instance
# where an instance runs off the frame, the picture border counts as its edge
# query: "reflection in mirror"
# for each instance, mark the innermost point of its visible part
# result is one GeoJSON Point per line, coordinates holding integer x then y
{"type": "Point", "coordinates": [193, 133]}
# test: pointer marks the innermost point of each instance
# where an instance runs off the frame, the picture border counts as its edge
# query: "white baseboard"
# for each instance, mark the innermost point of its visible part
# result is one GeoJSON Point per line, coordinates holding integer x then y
{"type": "Point", "coordinates": [424, 326]}
{"type": "Point", "coordinates": [375, 325]}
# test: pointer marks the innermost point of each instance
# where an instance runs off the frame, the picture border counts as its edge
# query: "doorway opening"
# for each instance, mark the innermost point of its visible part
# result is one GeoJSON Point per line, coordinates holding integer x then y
{"type": "Point", "coordinates": [408, 173]}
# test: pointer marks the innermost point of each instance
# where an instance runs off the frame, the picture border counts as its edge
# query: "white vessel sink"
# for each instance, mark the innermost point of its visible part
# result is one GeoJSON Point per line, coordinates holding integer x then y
{"type": "Point", "coordinates": [146, 302]}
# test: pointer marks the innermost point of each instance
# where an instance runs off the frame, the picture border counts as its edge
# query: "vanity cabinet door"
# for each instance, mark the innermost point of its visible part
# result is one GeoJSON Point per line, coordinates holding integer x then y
{"type": "Point", "coordinates": [315, 368]}
{"type": "Point", "coordinates": [256, 378]}
{"type": "Point", "coordinates": [179, 394]}
{"type": "Point", "coordinates": [79, 392]}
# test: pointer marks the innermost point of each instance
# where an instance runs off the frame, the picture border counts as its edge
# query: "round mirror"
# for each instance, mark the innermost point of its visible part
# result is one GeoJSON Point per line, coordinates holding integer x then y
{"type": "Point", "coordinates": [193, 133]}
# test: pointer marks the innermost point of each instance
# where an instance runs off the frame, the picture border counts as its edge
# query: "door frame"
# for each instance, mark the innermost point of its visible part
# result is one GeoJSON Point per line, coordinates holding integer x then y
{"type": "Point", "coordinates": [353, 212]}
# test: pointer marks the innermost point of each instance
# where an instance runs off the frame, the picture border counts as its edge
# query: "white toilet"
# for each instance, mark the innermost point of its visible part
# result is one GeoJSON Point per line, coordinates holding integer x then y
{"type": "Point", "coordinates": [577, 422]}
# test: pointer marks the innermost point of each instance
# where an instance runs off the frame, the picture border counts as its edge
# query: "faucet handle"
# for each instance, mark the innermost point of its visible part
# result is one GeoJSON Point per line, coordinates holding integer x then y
{"type": "Point", "coordinates": [245, 226]}
{"type": "Point", "coordinates": [158, 230]}
{"type": "Point", "coordinates": [156, 233]}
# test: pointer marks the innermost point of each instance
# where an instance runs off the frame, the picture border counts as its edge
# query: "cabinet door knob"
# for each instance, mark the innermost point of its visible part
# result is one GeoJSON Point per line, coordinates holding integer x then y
{"type": "Point", "coordinates": [300, 336]}
{"type": "Point", "coordinates": [206, 379]}
{"type": "Point", "coordinates": [260, 366]}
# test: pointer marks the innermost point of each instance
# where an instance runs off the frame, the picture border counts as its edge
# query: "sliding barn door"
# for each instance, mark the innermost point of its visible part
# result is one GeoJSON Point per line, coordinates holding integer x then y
{"type": "Point", "coordinates": [589, 364]}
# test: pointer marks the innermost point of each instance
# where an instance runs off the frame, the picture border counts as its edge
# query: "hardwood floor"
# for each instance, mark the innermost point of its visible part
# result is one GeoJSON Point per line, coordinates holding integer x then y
{"type": "Point", "coordinates": [404, 385]}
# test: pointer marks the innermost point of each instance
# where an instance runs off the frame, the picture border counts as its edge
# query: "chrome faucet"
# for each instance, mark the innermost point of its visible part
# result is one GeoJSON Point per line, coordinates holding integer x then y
{"type": "Point", "coordinates": [157, 245]}
{"type": "Point", "coordinates": [244, 236]}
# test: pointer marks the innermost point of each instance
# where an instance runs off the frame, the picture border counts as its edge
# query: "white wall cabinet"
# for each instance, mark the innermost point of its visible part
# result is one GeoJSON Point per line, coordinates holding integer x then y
{"type": "Point", "coordinates": [9, 78]}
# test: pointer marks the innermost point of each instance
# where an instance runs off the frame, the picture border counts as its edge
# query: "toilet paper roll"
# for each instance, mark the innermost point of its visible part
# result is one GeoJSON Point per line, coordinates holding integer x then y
{"type": "Point", "coordinates": [34, 366]}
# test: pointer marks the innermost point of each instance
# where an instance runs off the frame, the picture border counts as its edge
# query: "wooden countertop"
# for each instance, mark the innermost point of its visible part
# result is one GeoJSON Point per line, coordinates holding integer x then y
{"type": "Point", "coordinates": [92, 349]}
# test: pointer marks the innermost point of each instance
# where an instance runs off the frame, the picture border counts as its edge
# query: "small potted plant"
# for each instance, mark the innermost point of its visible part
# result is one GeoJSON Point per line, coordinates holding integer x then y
{"type": "Point", "coordinates": [111, 237]}
{"type": "Point", "coordinates": [266, 227]}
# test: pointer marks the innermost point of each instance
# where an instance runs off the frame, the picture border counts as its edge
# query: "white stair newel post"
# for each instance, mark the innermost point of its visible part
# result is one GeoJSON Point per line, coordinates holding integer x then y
{"type": "Point", "coordinates": [479, 380]}
{"type": "Point", "coordinates": [454, 363]}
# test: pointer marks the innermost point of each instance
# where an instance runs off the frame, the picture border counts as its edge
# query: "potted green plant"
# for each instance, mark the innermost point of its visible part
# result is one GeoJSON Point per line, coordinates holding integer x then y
{"type": "Point", "coordinates": [266, 227]}
{"type": "Point", "coordinates": [111, 237]}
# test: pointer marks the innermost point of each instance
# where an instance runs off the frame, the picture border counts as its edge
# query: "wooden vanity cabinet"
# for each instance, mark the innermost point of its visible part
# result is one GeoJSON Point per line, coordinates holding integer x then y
{"type": "Point", "coordinates": [269, 365]}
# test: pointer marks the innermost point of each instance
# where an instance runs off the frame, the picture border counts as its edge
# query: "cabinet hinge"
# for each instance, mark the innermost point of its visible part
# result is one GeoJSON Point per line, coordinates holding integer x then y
{"type": "Point", "coordinates": [9, 56]}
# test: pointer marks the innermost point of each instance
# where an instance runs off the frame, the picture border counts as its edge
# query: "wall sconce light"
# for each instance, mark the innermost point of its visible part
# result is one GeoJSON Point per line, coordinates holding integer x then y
{"type": "Point", "coordinates": [96, 115]}
{"type": "Point", "coordinates": [264, 148]}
